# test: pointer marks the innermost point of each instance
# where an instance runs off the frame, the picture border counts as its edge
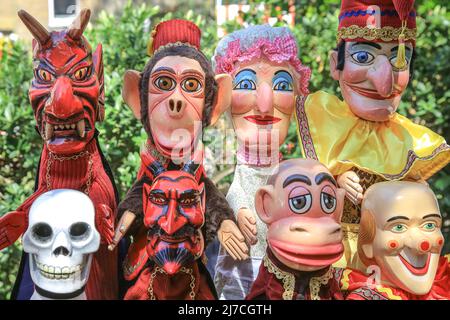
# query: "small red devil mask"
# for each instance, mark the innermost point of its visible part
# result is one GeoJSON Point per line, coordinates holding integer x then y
{"type": "Point", "coordinates": [67, 89]}
{"type": "Point", "coordinates": [174, 207]}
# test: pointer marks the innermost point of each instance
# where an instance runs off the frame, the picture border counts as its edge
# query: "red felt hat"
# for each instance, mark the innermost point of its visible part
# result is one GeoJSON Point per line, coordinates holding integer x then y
{"type": "Point", "coordinates": [174, 32]}
{"type": "Point", "coordinates": [377, 20]}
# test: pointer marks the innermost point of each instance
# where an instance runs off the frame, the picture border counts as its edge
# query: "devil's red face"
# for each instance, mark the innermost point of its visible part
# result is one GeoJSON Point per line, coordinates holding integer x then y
{"type": "Point", "coordinates": [174, 214]}
{"type": "Point", "coordinates": [67, 92]}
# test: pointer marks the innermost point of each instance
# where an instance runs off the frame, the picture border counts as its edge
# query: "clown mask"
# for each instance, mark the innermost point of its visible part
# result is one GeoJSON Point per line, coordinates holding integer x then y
{"type": "Point", "coordinates": [401, 234]}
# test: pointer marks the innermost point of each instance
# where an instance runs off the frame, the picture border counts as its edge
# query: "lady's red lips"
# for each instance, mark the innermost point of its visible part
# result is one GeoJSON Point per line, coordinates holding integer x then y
{"type": "Point", "coordinates": [262, 120]}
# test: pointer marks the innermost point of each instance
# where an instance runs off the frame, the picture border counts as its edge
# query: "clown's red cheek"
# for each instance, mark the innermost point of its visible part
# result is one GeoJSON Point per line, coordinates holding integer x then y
{"type": "Point", "coordinates": [425, 245]}
{"type": "Point", "coordinates": [392, 244]}
{"type": "Point", "coordinates": [440, 242]}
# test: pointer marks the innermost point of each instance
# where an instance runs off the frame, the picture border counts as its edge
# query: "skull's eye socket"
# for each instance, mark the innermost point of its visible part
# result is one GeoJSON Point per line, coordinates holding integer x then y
{"type": "Point", "coordinates": [42, 232]}
{"type": "Point", "coordinates": [79, 231]}
{"type": "Point", "coordinates": [81, 74]}
{"type": "Point", "coordinates": [191, 85]}
{"type": "Point", "coordinates": [44, 76]}
{"type": "Point", "coordinates": [165, 83]}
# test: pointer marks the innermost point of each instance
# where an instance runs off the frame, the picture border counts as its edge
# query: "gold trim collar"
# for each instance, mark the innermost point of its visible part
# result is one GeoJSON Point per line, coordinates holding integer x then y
{"type": "Point", "coordinates": [288, 280]}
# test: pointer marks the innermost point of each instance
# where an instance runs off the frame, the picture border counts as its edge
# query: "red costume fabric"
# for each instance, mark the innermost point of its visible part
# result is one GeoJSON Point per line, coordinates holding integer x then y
{"type": "Point", "coordinates": [278, 282]}
{"type": "Point", "coordinates": [176, 287]}
{"type": "Point", "coordinates": [356, 286]}
{"type": "Point", "coordinates": [173, 31]}
{"type": "Point", "coordinates": [76, 173]}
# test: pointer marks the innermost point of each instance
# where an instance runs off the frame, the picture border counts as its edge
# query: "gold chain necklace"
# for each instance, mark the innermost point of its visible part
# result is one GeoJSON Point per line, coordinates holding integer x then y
{"type": "Point", "coordinates": [53, 157]}
{"type": "Point", "coordinates": [160, 270]}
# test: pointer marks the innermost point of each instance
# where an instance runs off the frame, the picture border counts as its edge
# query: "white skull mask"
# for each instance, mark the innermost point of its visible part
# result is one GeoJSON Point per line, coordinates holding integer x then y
{"type": "Point", "coordinates": [60, 240]}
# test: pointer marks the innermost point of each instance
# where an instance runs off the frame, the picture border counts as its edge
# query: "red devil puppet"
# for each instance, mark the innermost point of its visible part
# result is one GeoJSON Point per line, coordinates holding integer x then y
{"type": "Point", "coordinates": [174, 214]}
{"type": "Point", "coordinates": [67, 99]}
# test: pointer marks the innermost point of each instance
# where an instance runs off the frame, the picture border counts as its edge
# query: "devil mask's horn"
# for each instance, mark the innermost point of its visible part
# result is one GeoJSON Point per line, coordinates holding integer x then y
{"type": "Point", "coordinates": [156, 168]}
{"type": "Point", "coordinates": [37, 30]}
{"type": "Point", "coordinates": [191, 167]}
{"type": "Point", "coordinates": [78, 25]}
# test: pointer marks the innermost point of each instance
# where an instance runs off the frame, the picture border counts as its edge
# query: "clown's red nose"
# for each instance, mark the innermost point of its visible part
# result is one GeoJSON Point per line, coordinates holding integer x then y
{"type": "Point", "coordinates": [171, 268]}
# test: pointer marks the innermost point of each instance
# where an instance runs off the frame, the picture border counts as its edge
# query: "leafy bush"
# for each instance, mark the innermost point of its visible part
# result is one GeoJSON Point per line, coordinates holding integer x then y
{"type": "Point", "coordinates": [124, 40]}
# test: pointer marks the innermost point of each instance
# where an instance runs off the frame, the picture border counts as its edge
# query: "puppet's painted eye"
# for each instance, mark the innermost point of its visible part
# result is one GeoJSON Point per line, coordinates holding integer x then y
{"type": "Point", "coordinates": [191, 85]}
{"type": "Point", "coordinates": [300, 204]}
{"type": "Point", "coordinates": [44, 75]}
{"type": "Point", "coordinates": [282, 81]}
{"type": "Point", "coordinates": [165, 83]}
{"type": "Point", "coordinates": [245, 84]}
{"type": "Point", "coordinates": [429, 226]}
{"type": "Point", "coordinates": [363, 57]}
{"type": "Point", "coordinates": [189, 201]}
{"type": "Point", "coordinates": [81, 74]}
{"type": "Point", "coordinates": [158, 199]}
{"type": "Point", "coordinates": [327, 202]}
{"type": "Point", "coordinates": [393, 61]}
{"type": "Point", "coordinates": [282, 86]}
{"type": "Point", "coordinates": [399, 228]}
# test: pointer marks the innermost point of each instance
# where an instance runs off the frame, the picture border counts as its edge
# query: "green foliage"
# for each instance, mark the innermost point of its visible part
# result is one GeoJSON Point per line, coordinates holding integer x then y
{"type": "Point", "coordinates": [124, 39]}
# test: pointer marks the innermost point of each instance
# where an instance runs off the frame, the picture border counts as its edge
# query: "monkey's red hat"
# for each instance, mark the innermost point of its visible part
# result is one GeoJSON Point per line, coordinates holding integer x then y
{"type": "Point", "coordinates": [174, 32]}
{"type": "Point", "coordinates": [377, 20]}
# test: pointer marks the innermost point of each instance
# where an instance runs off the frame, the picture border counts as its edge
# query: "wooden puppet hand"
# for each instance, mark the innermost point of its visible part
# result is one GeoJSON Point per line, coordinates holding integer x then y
{"type": "Point", "coordinates": [232, 240]}
{"type": "Point", "coordinates": [104, 222]}
{"type": "Point", "coordinates": [12, 226]}
{"type": "Point", "coordinates": [246, 221]}
{"type": "Point", "coordinates": [350, 182]}
{"type": "Point", "coordinates": [124, 224]}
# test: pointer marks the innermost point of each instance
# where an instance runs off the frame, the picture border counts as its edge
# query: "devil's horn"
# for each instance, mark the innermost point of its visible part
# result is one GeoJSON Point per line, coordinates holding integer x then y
{"type": "Point", "coordinates": [156, 168]}
{"type": "Point", "coordinates": [78, 25]}
{"type": "Point", "coordinates": [37, 30]}
{"type": "Point", "coordinates": [191, 167]}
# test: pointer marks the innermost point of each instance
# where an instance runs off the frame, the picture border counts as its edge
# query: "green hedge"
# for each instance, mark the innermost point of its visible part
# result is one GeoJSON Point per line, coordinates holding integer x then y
{"type": "Point", "coordinates": [124, 40]}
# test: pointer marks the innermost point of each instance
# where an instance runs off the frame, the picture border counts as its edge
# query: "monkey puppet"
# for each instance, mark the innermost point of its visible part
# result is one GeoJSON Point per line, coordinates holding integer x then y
{"type": "Point", "coordinates": [175, 97]}
{"type": "Point", "coordinates": [302, 207]}
{"type": "Point", "coordinates": [67, 97]}
{"type": "Point", "coordinates": [174, 214]}
{"type": "Point", "coordinates": [400, 242]}
{"type": "Point", "coordinates": [363, 140]}
{"type": "Point", "coordinates": [267, 75]}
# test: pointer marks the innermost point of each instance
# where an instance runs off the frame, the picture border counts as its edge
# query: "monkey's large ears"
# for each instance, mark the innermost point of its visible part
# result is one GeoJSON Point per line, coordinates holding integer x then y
{"type": "Point", "coordinates": [335, 73]}
{"type": "Point", "coordinates": [223, 96]}
{"type": "Point", "coordinates": [130, 91]}
{"type": "Point", "coordinates": [264, 199]}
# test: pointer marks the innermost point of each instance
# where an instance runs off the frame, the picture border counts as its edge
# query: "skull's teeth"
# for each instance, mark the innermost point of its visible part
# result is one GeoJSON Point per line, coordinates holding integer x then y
{"type": "Point", "coordinates": [57, 273]}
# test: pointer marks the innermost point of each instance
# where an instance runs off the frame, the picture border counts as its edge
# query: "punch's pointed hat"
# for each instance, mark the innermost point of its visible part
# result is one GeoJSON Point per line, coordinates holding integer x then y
{"type": "Point", "coordinates": [174, 32]}
{"type": "Point", "coordinates": [379, 21]}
